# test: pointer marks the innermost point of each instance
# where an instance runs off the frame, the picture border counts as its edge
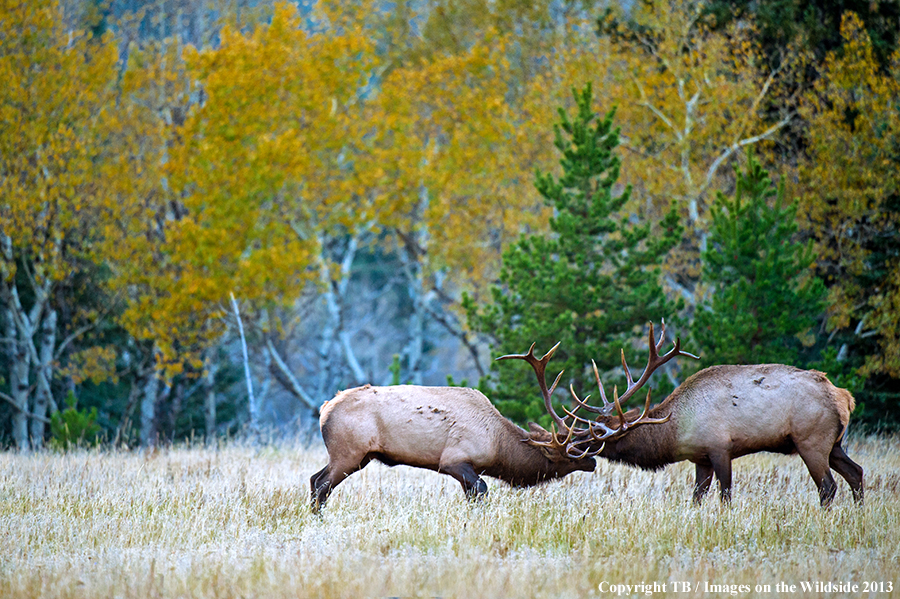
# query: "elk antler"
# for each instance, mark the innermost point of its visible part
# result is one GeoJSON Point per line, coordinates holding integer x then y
{"type": "Point", "coordinates": [596, 431]}
{"type": "Point", "coordinates": [653, 362]}
{"type": "Point", "coordinates": [539, 366]}
{"type": "Point", "coordinates": [560, 441]}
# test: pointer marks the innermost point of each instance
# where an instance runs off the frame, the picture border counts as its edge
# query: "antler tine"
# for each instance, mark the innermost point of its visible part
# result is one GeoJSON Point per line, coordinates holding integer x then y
{"type": "Point", "coordinates": [606, 404]}
{"type": "Point", "coordinates": [587, 453]}
{"type": "Point", "coordinates": [642, 419]}
{"type": "Point", "coordinates": [578, 403]}
{"type": "Point", "coordinates": [539, 366]}
{"type": "Point", "coordinates": [555, 436]}
{"type": "Point", "coordinates": [546, 357]}
{"type": "Point", "coordinates": [676, 348]}
{"type": "Point", "coordinates": [565, 445]}
{"type": "Point", "coordinates": [556, 381]}
{"type": "Point", "coordinates": [627, 372]}
{"type": "Point", "coordinates": [618, 406]}
{"type": "Point", "coordinates": [646, 404]}
{"type": "Point", "coordinates": [654, 361]}
{"type": "Point", "coordinates": [607, 431]}
{"type": "Point", "coordinates": [567, 448]}
{"type": "Point", "coordinates": [583, 405]}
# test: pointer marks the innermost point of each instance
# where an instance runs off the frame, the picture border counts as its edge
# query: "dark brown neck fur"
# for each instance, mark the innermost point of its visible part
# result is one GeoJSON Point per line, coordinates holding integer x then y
{"type": "Point", "coordinates": [649, 446]}
{"type": "Point", "coordinates": [522, 465]}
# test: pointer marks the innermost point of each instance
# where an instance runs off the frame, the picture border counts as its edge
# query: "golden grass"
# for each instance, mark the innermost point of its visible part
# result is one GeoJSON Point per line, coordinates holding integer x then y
{"type": "Point", "coordinates": [234, 522]}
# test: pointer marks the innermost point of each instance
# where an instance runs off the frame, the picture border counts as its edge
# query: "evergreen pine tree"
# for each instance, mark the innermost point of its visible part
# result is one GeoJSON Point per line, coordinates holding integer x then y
{"type": "Point", "coordinates": [592, 284]}
{"type": "Point", "coordinates": [764, 296]}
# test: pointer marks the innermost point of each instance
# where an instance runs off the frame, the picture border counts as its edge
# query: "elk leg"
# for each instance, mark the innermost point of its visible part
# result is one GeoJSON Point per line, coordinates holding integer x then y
{"type": "Point", "coordinates": [721, 465]}
{"type": "Point", "coordinates": [325, 480]}
{"type": "Point", "coordinates": [817, 464]}
{"type": "Point", "coordinates": [850, 470]}
{"type": "Point", "coordinates": [314, 483]}
{"type": "Point", "coordinates": [472, 484]}
{"type": "Point", "coordinates": [702, 482]}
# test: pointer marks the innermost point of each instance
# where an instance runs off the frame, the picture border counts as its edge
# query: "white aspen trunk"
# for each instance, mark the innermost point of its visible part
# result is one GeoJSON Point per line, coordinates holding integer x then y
{"type": "Point", "coordinates": [326, 359]}
{"type": "Point", "coordinates": [327, 362]}
{"type": "Point", "coordinates": [43, 400]}
{"type": "Point", "coordinates": [124, 426]}
{"type": "Point", "coordinates": [265, 385]}
{"type": "Point", "coordinates": [359, 375]}
{"type": "Point", "coordinates": [415, 346]}
{"type": "Point", "coordinates": [209, 401]}
{"type": "Point", "coordinates": [18, 380]}
{"type": "Point", "coordinates": [252, 407]}
{"type": "Point", "coordinates": [148, 404]}
{"type": "Point", "coordinates": [340, 298]}
{"type": "Point", "coordinates": [16, 352]}
{"type": "Point", "coordinates": [413, 257]}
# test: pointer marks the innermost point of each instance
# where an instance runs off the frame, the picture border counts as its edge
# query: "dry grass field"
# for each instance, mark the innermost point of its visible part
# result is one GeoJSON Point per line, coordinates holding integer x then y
{"type": "Point", "coordinates": [234, 522]}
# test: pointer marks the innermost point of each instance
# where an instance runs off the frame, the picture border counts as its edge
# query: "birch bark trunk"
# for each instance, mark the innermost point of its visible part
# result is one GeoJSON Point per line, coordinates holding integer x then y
{"type": "Point", "coordinates": [43, 400]}
{"type": "Point", "coordinates": [335, 337]}
{"type": "Point", "coordinates": [17, 351]}
{"type": "Point", "coordinates": [252, 405]}
{"type": "Point", "coordinates": [209, 401]}
{"type": "Point", "coordinates": [412, 269]}
{"type": "Point", "coordinates": [149, 399]}
{"type": "Point", "coordinates": [18, 380]}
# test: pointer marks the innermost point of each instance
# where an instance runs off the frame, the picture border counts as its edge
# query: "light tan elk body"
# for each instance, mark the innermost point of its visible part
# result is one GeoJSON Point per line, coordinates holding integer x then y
{"type": "Point", "coordinates": [718, 414]}
{"type": "Point", "coordinates": [452, 430]}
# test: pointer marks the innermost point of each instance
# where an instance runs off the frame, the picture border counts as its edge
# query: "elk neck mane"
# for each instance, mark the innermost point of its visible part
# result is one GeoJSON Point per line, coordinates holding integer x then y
{"type": "Point", "coordinates": [519, 463]}
{"type": "Point", "coordinates": [651, 446]}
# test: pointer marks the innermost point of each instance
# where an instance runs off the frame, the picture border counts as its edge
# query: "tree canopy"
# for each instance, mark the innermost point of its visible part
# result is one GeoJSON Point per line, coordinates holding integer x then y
{"type": "Point", "coordinates": [591, 284]}
{"type": "Point", "coordinates": [349, 171]}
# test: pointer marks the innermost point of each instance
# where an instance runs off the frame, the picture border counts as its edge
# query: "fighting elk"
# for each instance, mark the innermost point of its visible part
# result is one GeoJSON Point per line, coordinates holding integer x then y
{"type": "Point", "coordinates": [451, 430]}
{"type": "Point", "coordinates": [718, 414]}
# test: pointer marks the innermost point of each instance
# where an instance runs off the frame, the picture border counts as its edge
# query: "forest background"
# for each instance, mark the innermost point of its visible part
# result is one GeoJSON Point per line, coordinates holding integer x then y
{"type": "Point", "coordinates": [216, 214]}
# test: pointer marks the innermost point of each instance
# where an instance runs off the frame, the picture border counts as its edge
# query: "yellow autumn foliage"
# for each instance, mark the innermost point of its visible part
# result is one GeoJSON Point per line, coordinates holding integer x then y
{"type": "Point", "coordinates": [849, 173]}
{"type": "Point", "coordinates": [55, 138]}
{"type": "Point", "coordinates": [195, 173]}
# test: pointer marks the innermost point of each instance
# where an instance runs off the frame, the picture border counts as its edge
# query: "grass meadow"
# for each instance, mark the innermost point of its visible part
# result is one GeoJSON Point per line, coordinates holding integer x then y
{"type": "Point", "coordinates": [235, 522]}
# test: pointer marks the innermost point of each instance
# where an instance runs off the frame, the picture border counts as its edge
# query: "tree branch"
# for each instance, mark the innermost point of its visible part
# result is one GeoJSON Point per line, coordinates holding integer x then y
{"type": "Point", "coordinates": [711, 172]}
{"type": "Point", "coordinates": [658, 113]}
{"type": "Point", "coordinates": [10, 400]}
{"type": "Point", "coordinates": [61, 347]}
{"type": "Point", "coordinates": [288, 379]}
{"type": "Point", "coordinates": [459, 334]}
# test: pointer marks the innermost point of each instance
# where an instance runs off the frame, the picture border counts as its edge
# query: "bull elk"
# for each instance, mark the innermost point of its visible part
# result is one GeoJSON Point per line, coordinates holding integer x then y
{"type": "Point", "coordinates": [718, 414]}
{"type": "Point", "coordinates": [451, 430]}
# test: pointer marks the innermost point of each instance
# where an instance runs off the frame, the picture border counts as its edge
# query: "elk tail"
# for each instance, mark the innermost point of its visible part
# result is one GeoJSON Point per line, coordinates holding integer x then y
{"type": "Point", "coordinates": [845, 405]}
{"type": "Point", "coordinates": [844, 395]}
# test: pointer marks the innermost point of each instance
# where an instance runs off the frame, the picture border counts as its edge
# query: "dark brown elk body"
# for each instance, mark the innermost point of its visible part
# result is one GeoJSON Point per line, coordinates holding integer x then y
{"type": "Point", "coordinates": [725, 412]}
{"type": "Point", "coordinates": [451, 430]}
{"type": "Point", "coordinates": [718, 414]}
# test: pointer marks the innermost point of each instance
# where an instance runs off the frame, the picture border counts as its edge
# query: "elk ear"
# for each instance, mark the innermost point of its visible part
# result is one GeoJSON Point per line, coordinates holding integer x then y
{"type": "Point", "coordinates": [537, 429]}
{"type": "Point", "coordinates": [551, 455]}
{"type": "Point", "coordinates": [536, 432]}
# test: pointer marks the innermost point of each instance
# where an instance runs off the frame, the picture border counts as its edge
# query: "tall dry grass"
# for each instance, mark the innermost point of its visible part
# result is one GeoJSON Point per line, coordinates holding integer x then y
{"type": "Point", "coordinates": [234, 522]}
